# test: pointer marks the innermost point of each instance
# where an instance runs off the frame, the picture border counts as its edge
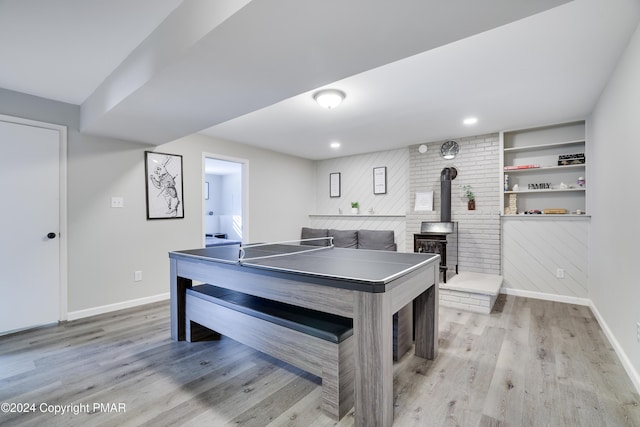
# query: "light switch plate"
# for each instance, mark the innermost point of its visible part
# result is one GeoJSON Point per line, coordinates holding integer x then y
{"type": "Point", "coordinates": [117, 202]}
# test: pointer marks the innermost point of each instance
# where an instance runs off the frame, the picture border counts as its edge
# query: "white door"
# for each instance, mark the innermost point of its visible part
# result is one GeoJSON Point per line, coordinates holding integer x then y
{"type": "Point", "coordinates": [29, 246]}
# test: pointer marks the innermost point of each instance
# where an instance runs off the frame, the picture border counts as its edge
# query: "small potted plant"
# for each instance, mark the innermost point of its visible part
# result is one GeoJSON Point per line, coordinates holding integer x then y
{"type": "Point", "coordinates": [355, 206]}
{"type": "Point", "coordinates": [471, 198]}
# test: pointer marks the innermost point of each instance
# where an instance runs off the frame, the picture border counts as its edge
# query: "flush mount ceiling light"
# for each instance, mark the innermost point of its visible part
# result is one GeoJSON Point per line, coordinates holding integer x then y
{"type": "Point", "coordinates": [470, 121]}
{"type": "Point", "coordinates": [335, 145]}
{"type": "Point", "coordinates": [329, 98]}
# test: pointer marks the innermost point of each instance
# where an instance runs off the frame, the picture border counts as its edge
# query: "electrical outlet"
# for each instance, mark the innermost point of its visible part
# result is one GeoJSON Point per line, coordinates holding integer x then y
{"type": "Point", "coordinates": [137, 276]}
{"type": "Point", "coordinates": [560, 273]}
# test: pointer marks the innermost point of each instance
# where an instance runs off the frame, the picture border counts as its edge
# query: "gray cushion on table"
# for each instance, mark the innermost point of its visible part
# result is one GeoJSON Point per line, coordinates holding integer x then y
{"type": "Point", "coordinates": [344, 238]}
{"type": "Point", "coordinates": [376, 239]}
{"type": "Point", "coordinates": [313, 233]}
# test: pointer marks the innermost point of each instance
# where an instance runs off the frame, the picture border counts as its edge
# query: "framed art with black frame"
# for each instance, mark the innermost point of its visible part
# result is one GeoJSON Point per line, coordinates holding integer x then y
{"type": "Point", "coordinates": [163, 174]}
{"type": "Point", "coordinates": [380, 180]}
{"type": "Point", "coordinates": [334, 184]}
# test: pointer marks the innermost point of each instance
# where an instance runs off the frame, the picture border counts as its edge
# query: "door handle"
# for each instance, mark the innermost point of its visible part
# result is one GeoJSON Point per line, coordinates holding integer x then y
{"type": "Point", "coordinates": [51, 236]}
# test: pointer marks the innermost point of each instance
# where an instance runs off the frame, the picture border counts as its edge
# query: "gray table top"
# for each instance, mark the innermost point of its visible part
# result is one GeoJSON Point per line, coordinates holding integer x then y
{"type": "Point", "coordinates": [341, 264]}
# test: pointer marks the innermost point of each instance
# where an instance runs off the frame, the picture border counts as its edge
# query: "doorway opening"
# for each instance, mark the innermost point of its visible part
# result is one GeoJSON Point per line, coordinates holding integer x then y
{"type": "Point", "coordinates": [225, 200]}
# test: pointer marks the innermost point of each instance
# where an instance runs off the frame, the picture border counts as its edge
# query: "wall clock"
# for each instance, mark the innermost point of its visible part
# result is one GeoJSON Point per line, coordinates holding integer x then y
{"type": "Point", "coordinates": [449, 149]}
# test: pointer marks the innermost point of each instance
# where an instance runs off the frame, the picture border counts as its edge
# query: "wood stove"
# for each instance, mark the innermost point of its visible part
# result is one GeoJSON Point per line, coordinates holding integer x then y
{"type": "Point", "coordinates": [434, 238]}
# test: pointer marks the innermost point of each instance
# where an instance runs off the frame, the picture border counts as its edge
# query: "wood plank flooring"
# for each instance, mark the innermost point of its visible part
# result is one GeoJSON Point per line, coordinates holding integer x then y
{"type": "Point", "coordinates": [529, 363]}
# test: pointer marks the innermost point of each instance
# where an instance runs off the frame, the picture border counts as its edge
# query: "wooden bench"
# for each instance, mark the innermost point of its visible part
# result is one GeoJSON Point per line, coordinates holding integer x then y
{"type": "Point", "coordinates": [316, 342]}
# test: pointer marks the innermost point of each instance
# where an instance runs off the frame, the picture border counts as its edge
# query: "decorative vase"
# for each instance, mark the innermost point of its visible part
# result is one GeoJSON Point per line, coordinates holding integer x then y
{"type": "Point", "coordinates": [354, 211]}
{"type": "Point", "coordinates": [471, 205]}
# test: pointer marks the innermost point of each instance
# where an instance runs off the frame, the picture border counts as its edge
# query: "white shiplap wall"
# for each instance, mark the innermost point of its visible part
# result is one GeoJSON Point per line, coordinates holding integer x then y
{"type": "Point", "coordinates": [479, 230]}
{"type": "Point", "coordinates": [534, 248]}
{"type": "Point", "coordinates": [357, 186]}
{"type": "Point", "coordinates": [357, 183]}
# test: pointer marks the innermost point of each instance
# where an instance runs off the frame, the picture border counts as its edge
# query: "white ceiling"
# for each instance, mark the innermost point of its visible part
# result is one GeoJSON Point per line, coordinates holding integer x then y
{"type": "Point", "coordinates": [157, 70]}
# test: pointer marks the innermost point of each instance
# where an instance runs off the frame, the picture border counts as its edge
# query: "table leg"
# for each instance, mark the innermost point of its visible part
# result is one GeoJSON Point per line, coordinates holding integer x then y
{"type": "Point", "coordinates": [426, 323]}
{"type": "Point", "coordinates": [177, 289]}
{"type": "Point", "coordinates": [373, 333]}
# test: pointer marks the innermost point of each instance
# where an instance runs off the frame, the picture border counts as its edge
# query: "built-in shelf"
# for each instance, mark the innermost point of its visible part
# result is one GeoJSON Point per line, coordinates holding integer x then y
{"type": "Point", "coordinates": [545, 147]}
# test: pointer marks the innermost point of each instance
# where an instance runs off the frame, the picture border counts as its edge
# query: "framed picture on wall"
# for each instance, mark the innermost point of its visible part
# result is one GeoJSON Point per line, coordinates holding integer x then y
{"type": "Point", "coordinates": [334, 184]}
{"type": "Point", "coordinates": [380, 180]}
{"type": "Point", "coordinates": [163, 174]}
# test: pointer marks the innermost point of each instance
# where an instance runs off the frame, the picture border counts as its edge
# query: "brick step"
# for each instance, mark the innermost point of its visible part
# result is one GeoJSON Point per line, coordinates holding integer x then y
{"type": "Point", "coordinates": [471, 291]}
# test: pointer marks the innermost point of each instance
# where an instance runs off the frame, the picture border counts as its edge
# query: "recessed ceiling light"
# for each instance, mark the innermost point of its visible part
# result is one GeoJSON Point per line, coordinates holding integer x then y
{"type": "Point", "coordinates": [334, 145]}
{"type": "Point", "coordinates": [470, 121]}
{"type": "Point", "coordinates": [329, 98]}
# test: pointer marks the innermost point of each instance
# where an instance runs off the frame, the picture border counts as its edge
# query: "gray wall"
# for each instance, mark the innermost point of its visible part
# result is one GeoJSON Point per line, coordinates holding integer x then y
{"type": "Point", "coordinates": [614, 135]}
{"type": "Point", "coordinates": [105, 245]}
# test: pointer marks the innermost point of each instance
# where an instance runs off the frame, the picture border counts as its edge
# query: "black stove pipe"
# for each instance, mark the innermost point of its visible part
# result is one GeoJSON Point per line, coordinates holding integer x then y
{"type": "Point", "coordinates": [446, 176]}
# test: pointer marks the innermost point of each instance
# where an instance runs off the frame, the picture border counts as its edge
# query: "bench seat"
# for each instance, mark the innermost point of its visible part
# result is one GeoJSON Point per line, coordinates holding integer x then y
{"type": "Point", "coordinates": [316, 342]}
{"type": "Point", "coordinates": [326, 326]}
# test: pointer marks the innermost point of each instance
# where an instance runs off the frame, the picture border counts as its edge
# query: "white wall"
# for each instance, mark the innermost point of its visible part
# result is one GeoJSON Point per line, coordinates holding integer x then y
{"type": "Point", "coordinates": [225, 201]}
{"type": "Point", "coordinates": [357, 186]}
{"type": "Point", "coordinates": [231, 198]}
{"type": "Point", "coordinates": [212, 222]}
{"type": "Point", "coordinates": [534, 247]}
{"type": "Point", "coordinates": [479, 229]}
{"type": "Point", "coordinates": [107, 245]}
{"type": "Point", "coordinates": [614, 144]}
{"type": "Point", "coordinates": [357, 183]}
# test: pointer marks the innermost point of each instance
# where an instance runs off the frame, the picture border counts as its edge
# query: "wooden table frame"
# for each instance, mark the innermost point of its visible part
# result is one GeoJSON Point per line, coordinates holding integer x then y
{"type": "Point", "coordinates": [372, 315]}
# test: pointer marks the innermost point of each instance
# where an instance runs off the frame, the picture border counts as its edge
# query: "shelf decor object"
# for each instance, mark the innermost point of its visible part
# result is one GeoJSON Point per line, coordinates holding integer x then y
{"type": "Point", "coordinates": [471, 198]}
{"type": "Point", "coordinates": [512, 209]}
{"type": "Point", "coordinates": [449, 150]}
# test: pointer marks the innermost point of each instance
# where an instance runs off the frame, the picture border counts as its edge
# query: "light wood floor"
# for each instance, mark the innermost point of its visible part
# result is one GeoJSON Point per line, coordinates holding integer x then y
{"type": "Point", "coordinates": [529, 363]}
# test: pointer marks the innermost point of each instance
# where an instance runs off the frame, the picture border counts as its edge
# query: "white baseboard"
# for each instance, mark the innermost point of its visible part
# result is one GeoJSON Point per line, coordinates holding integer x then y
{"type": "Point", "coordinates": [626, 363]}
{"type": "Point", "coordinates": [622, 356]}
{"type": "Point", "coordinates": [545, 296]}
{"type": "Point", "coordinates": [74, 315]}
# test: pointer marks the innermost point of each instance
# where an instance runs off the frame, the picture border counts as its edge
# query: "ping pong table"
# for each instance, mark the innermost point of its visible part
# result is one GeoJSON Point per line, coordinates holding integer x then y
{"type": "Point", "coordinates": [367, 286]}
